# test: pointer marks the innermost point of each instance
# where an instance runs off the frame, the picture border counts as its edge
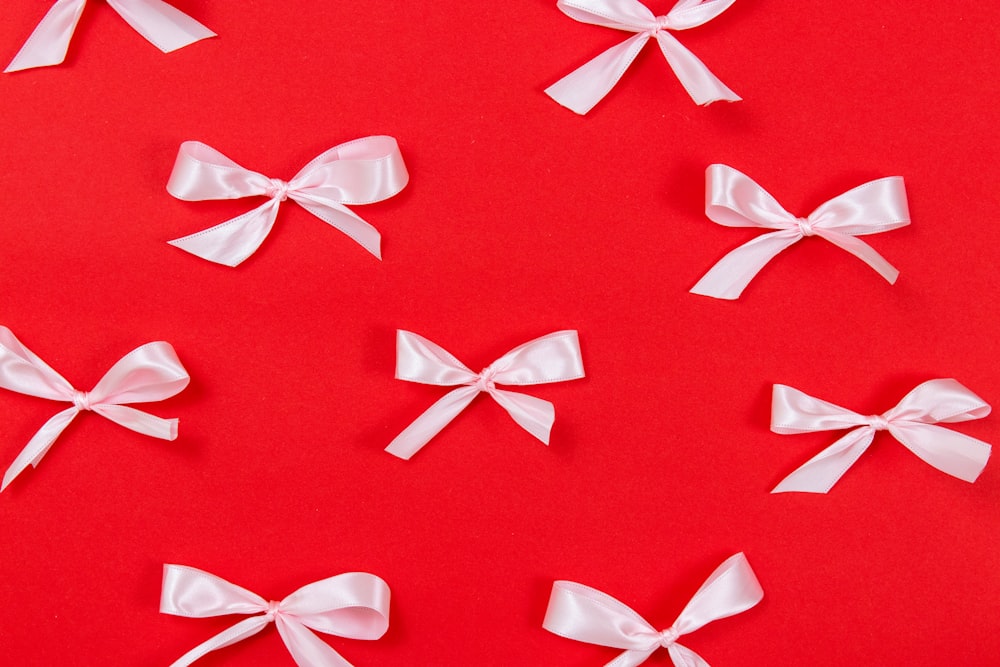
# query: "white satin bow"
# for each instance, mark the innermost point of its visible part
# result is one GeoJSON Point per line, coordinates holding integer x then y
{"type": "Point", "coordinates": [732, 199]}
{"type": "Point", "coordinates": [551, 358]}
{"type": "Point", "coordinates": [582, 89]}
{"type": "Point", "coordinates": [362, 171]}
{"type": "Point", "coordinates": [587, 615]}
{"type": "Point", "coordinates": [911, 422]}
{"type": "Point", "coordinates": [163, 25]}
{"type": "Point", "coordinates": [149, 373]}
{"type": "Point", "coordinates": [353, 605]}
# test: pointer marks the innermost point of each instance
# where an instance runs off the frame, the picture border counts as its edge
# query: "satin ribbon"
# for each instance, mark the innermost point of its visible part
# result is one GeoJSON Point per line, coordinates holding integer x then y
{"type": "Point", "coordinates": [146, 374]}
{"type": "Point", "coordinates": [732, 199]}
{"type": "Point", "coordinates": [587, 615]}
{"type": "Point", "coordinates": [551, 358]}
{"type": "Point", "coordinates": [911, 422]}
{"type": "Point", "coordinates": [582, 89]}
{"type": "Point", "coordinates": [353, 605]}
{"type": "Point", "coordinates": [363, 171]}
{"type": "Point", "coordinates": [163, 25]}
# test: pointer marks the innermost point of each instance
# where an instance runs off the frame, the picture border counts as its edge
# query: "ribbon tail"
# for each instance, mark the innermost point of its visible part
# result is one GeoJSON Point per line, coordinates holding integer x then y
{"type": "Point", "coordinates": [949, 451]}
{"type": "Point", "coordinates": [820, 473]}
{"type": "Point", "coordinates": [685, 657]}
{"type": "Point", "coordinates": [862, 251]}
{"type": "Point", "coordinates": [163, 25]}
{"type": "Point", "coordinates": [430, 423]}
{"type": "Point", "coordinates": [703, 86]}
{"type": "Point", "coordinates": [139, 421]}
{"type": "Point", "coordinates": [306, 648]}
{"type": "Point", "coordinates": [532, 414]}
{"type": "Point", "coordinates": [632, 658]}
{"type": "Point", "coordinates": [50, 40]}
{"type": "Point", "coordinates": [583, 88]}
{"type": "Point", "coordinates": [731, 274]}
{"type": "Point", "coordinates": [233, 241]}
{"type": "Point", "coordinates": [347, 221]}
{"type": "Point", "coordinates": [39, 445]}
{"type": "Point", "coordinates": [245, 628]}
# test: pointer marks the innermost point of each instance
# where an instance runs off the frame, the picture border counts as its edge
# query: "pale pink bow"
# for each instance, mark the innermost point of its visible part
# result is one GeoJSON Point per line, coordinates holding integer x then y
{"type": "Point", "coordinates": [732, 199]}
{"type": "Point", "coordinates": [163, 25]}
{"type": "Point", "coordinates": [353, 605]}
{"type": "Point", "coordinates": [363, 171]}
{"type": "Point", "coordinates": [587, 615]}
{"type": "Point", "coordinates": [582, 89]}
{"type": "Point", "coordinates": [148, 373]}
{"type": "Point", "coordinates": [911, 422]}
{"type": "Point", "coordinates": [551, 358]}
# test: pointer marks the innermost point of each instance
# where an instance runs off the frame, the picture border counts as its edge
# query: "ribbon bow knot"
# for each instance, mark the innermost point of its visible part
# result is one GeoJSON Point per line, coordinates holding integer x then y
{"type": "Point", "coordinates": [669, 637]}
{"type": "Point", "coordinates": [913, 422]}
{"type": "Point", "coordinates": [163, 25]}
{"type": "Point", "coordinates": [732, 199]}
{"type": "Point", "coordinates": [149, 373]}
{"type": "Point", "coordinates": [273, 609]}
{"type": "Point", "coordinates": [353, 605]}
{"type": "Point", "coordinates": [551, 358]}
{"type": "Point", "coordinates": [586, 614]}
{"type": "Point", "coordinates": [583, 88]}
{"type": "Point", "coordinates": [278, 189]}
{"type": "Point", "coordinates": [486, 380]}
{"type": "Point", "coordinates": [81, 400]}
{"type": "Point", "coordinates": [363, 171]}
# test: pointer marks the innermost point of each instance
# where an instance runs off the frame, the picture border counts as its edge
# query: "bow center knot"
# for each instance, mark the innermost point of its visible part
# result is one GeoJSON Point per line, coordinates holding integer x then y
{"type": "Point", "coordinates": [878, 422]}
{"type": "Point", "coordinates": [805, 227]}
{"type": "Point", "coordinates": [662, 23]}
{"type": "Point", "coordinates": [669, 637]}
{"type": "Point", "coordinates": [485, 380]}
{"type": "Point", "coordinates": [81, 400]}
{"type": "Point", "coordinates": [278, 189]}
{"type": "Point", "coordinates": [272, 610]}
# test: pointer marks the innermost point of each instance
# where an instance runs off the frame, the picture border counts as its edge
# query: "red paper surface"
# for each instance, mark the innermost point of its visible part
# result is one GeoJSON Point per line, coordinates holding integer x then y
{"type": "Point", "coordinates": [521, 218]}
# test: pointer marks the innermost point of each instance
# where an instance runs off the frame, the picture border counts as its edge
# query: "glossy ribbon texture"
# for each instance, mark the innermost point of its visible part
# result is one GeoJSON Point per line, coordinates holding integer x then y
{"type": "Point", "coordinates": [732, 199]}
{"type": "Point", "coordinates": [148, 373]}
{"type": "Point", "coordinates": [912, 422]}
{"type": "Point", "coordinates": [582, 89]}
{"type": "Point", "coordinates": [353, 605]}
{"type": "Point", "coordinates": [163, 25]}
{"type": "Point", "coordinates": [363, 171]}
{"type": "Point", "coordinates": [551, 358]}
{"type": "Point", "coordinates": [587, 615]}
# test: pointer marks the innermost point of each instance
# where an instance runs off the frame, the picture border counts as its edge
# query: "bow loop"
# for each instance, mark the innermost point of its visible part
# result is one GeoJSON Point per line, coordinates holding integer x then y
{"type": "Point", "coordinates": [943, 400]}
{"type": "Point", "coordinates": [731, 589]}
{"type": "Point", "coordinates": [163, 25]}
{"type": "Point", "coordinates": [202, 173]}
{"type": "Point", "coordinates": [363, 171]}
{"type": "Point", "coordinates": [732, 199]}
{"type": "Point", "coordinates": [426, 362]}
{"type": "Point", "coordinates": [585, 614]}
{"type": "Point", "coordinates": [149, 373]}
{"type": "Point", "coordinates": [353, 605]}
{"type": "Point", "coordinates": [872, 208]}
{"type": "Point", "coordinates": [794, 411]}
{"type": "Point", "coordinates": [912, 422]}
{"type": "Point", "coordinates": [191, 592]}
{"type": "Point", "coordinates": [583, 88]}
{"type": "Point", "coordinates": [552, 358]}
{"type": "Point", "coordinates": [693, 13]}
{"type": "Point", "coordinates": [627, 15]}
{"type": "Point", "coordinates": [23, 372]}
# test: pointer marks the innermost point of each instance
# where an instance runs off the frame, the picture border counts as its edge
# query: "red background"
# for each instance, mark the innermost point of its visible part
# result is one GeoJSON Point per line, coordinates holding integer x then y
{"type": "Point", "coordinates": [521, 218]}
